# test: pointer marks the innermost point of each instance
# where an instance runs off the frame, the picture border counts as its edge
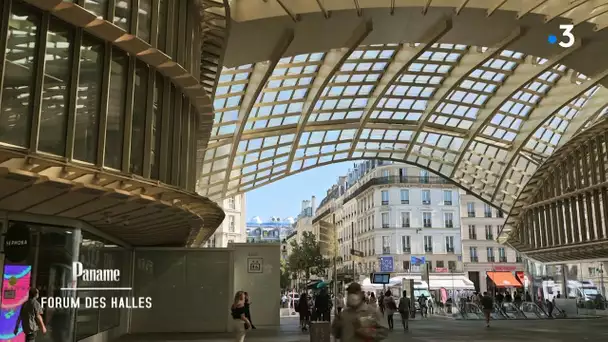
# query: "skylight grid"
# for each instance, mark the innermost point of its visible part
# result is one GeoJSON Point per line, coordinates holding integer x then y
{"type": "Point", "coordinates": [546, 138]}
{"type": "Point", "coordinates": [508, 119]}
{"type": "Point", "coordinates": [281, 101]}
{"type": "Point", "coordinates": [348, 92]}
{"type": "Point", "coordinates": [462, 104]}
{"type": "Point", "coordinates": [228, 96]}
{"type": "Point", "coordinates": [408, 97]}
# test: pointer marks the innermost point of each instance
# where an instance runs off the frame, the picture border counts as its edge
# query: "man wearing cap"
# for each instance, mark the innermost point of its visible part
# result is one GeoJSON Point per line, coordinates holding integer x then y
{"type": "Point", "coordinates": [359, 322]}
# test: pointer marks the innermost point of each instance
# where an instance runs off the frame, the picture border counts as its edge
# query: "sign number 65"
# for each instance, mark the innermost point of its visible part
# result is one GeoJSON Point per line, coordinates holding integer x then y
{"type": "Point", "coordinates": [567, 32]}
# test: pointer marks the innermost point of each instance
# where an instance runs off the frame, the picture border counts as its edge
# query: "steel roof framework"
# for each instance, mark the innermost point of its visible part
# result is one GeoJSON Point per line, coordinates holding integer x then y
{"type": "Point", "coordinates": [483, 117]}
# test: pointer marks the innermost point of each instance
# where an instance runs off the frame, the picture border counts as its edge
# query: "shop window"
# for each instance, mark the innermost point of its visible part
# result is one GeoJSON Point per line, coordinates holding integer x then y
{"type": "Point", "coordinates": [55, 89]}
{"type": "Point", "coordinates": [89, 99]}
{"type": "Point", "coordinates": [119, 69]}
{"type": "Point", "coordinates": [97, 253]}
{"type": "Point", "coordinates": [18, 86]}
{"type": "Point", "coordinates": [139, 119]}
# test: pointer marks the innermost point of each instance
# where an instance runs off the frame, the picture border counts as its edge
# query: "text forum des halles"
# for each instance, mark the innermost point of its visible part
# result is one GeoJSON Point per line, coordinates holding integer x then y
{"type": "Point", "coordinates": [98, 276]}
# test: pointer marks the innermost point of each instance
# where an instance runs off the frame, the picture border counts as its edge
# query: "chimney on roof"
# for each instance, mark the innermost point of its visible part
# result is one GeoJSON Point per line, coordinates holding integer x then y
{"type": "Point", "coordinates": [313, 204]}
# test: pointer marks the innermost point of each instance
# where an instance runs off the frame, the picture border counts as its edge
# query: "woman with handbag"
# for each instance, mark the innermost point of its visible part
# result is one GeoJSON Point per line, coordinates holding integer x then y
{"type": "Point", "coordinates": [239, 317]}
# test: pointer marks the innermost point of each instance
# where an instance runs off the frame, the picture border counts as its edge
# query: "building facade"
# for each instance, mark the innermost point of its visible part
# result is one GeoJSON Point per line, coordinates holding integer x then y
{"type": "Point", "coordinates": [103, 119]}
{"type": "Point", "coordinates": [481, 224]}
{"type": "Point", "coordinates": [273, 230]}
{"type": "Point", "coordinates": [385, 209]}
{"type": "Point", "coordinates": [233, 228]}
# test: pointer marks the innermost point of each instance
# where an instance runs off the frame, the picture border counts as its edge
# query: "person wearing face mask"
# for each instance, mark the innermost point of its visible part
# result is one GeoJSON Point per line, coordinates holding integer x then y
{"type": "Point", "coordinates": [359, 322]}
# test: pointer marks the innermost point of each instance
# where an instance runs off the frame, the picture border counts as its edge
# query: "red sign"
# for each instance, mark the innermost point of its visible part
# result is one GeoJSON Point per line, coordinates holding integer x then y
{"type": "Point", "coordinates": [505, 268]}
{"type": "Point", "coordinates": [441, 269]}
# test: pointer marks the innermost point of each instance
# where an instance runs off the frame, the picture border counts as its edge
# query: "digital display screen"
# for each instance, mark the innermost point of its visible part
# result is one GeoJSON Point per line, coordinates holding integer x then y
{"type": "Point", "coordinates": [15, 288]}
{"type": "Point", "coordinates": [381, 278]}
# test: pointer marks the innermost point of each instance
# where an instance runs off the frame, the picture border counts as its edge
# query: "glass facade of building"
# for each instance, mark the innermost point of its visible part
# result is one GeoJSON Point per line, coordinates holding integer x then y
{"type": "Point", "coordinates": [71, 96]}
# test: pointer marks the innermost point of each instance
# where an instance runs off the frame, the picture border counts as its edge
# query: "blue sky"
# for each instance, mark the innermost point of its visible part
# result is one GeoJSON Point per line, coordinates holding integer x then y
{"type": "Point", "coordinates": [284, 198]}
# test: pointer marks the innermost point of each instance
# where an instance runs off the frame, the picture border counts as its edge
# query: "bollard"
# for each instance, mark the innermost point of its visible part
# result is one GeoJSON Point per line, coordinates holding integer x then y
{"type": "Point", "coordinates": [320, 332]}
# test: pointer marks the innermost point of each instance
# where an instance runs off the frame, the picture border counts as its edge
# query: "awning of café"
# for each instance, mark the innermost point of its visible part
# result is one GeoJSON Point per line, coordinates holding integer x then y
{"type": "Point", "coordinates": [504, 279]}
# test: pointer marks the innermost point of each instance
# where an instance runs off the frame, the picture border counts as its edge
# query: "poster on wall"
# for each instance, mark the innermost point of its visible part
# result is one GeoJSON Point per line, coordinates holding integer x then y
{"type": "Point", "coordinates": [255, 265]}
{"type": "Point", "coordinates": [15, 288]}
{"type": "Point", "coordinates": [17, 242]}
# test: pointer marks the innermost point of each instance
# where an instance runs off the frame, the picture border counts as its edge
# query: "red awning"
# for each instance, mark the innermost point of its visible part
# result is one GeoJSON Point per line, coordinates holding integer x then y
{"type": "Point", "coordinates": [504, 279]}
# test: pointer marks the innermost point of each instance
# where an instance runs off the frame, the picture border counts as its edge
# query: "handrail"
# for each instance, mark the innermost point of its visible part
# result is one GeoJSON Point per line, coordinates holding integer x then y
{"type": "Point", "coordinates": [396, 180]}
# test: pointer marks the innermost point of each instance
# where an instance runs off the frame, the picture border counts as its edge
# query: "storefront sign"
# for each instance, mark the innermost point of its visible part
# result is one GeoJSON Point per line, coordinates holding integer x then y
{"type": "Point", "coordinates": [441, 269]}
{"type": "Point", "coordinates": [17, 242]}
{"type": "Point", "coordinates": [505, 268]}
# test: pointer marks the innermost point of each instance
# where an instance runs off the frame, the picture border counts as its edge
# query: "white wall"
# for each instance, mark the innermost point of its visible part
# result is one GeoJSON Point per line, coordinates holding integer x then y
{"type": "Point", "coordinates": [264, 288]}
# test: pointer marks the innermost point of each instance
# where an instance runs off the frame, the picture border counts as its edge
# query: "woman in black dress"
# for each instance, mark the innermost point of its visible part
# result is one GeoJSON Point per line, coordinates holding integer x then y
{"type": "Point", "coordinates": [247, 309]}
{"type": "Point", "coordinates": [239, 317]}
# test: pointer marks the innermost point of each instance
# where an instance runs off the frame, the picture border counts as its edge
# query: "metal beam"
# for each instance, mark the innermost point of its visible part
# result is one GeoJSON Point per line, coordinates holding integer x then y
{"type": "Point", "coordinates": [331, 64]}
{"type": "Point", "coordinates": [402, 60]}
{"type": "Point", "coordinates": [295, 17]}
{"type": "Point", "coordinates": [508, 90]}
{"type": "Point", "coordinates": [467, 65]}
{"type": "Point", "coordinates": [257, 82]}
{"type": "Point", "coordinates": [322, 8]}
{"type": "Point", "coordinates": [592, 108]}
{"type": "Point", "coordinates": [535, 122]}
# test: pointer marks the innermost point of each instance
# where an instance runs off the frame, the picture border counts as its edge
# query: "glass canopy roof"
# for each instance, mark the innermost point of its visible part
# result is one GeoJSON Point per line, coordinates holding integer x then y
{"type": "Point", "coordinates": [485, 118]}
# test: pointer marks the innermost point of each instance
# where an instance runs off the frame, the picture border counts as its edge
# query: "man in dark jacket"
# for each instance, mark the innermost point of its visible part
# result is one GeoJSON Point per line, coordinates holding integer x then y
{"type": "Point", "coordinates": [322, 302]}
{"type": "Point", "coordinates": [488, 306]}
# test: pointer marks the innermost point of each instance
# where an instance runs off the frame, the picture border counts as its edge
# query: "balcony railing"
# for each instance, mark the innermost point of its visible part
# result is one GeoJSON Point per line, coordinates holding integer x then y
{"type": "Point", "coordinates": [395, 180]}
{"type": "Point", "coordinates": [385, 225]}
{"type": "Point", "coordinates": [449, 224]}
{"type": "Point", "coordinates": [428, 249]}
{"type": "Point", "coordinates": [489, 237]}
{"type": "Point", "coordinates": [405, 225]}
{"type": "Point", "coordinates": [384, 202]}
{"type": "Point", "coordinates": [502, 259]}
{"type": "Point", "coordinates": [407, 250]}
{"type": "Point", "coordinates": [447, 202]}
{"type": "Point", "coordinates": [426, 202]}
{"type": "Point", "coordinates": [491, 259]}
{"type": "Point", "coordinates": [405, 201]}
{"type": "Point", "coordinates": [471, 214]}
{"type": "Point", "coordinates": [449, 249]}
{"type": "Point", "coordinates": [472, 236]}
{"type": "Point", "coordinates": [386, 250]}
{"type": "Point", "coordinates": [427, 224]}
{"type": "Point", "coordinates": [474, 259]}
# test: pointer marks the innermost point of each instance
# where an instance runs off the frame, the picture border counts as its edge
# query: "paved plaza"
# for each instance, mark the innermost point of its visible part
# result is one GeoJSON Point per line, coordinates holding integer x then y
{"type": "Point", "coordinates": [428, 330]}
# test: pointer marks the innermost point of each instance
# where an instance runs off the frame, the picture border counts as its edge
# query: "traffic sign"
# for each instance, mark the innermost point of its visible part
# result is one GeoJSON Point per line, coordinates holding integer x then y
{"type": "Point", "coordinates": [414, 260]}
{"type": "Point", "coordinates": [357, 253]}
{"type": "Point", "coordinates": [387, 264]}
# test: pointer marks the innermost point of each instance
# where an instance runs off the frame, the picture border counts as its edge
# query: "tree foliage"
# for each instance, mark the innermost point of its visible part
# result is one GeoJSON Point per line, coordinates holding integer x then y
{"type": "Point", "coordinates": [306, 258]}
{"type": "Point", "coordinates": [285, 275]}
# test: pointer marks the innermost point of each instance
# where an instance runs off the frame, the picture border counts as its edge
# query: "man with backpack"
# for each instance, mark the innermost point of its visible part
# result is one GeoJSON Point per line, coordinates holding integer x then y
{"type": "Point", "coordinates": [404, 310]}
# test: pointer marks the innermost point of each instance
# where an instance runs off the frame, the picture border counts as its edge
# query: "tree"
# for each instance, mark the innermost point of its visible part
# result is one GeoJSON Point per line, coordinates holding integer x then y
{"type": "Point", "coordinates": [285, 275]}
{"type": "Point", "coordinates": [306, 258]}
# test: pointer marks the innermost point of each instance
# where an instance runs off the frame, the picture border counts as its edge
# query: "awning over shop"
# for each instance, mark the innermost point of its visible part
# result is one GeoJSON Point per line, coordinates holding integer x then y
{"type": "Point", "coordinates": [451, 283]}
{"type": "Point", "coordinates": [504, 279]}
